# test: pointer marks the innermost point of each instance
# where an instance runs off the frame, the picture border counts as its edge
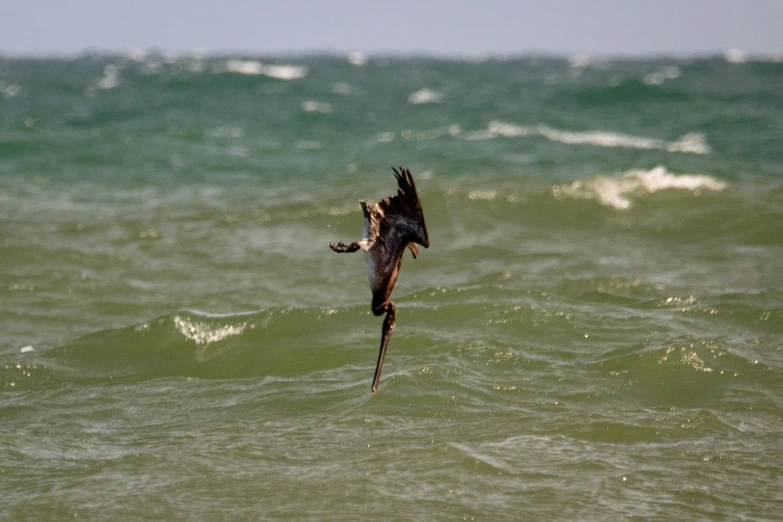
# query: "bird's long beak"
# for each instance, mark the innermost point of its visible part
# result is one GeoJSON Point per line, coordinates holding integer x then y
{"type": "Point", "coordinates": [388, 328]}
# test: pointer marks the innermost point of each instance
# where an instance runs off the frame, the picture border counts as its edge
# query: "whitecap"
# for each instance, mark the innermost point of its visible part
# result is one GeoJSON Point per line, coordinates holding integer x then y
{"type": "Point", "coordinates": [654, 78]}
{"type": "Point", "coordinates": [203, 333]}
{"type": "Point", "coordinates": [341, 88]}
{"type": "Point", "coordinates": [286, 72]}
{"type": "Point", "coordinates": [279, 72]}
{"type": "Point", "coordinates": [316, 106]}
{"type": "Point", "coordinates": [508, 130]}
{"type": "Point", "coordinates": [600, 138]}
{"type": "Point", "coordinates": [691, 143]}
{"type": "Point", "coordinates": [425, 96]}
{"type": "Point", "coordinates": [11, 90]}
{"type": "Point", "coordinates": [244, 67]}
{"type": "Point", "coordinates": [137, 55]}
{"type": "Point", "coordinates": [670, 72]}
{"type": "Point", "coordinates": [735, 56]}
{"type": "Point", "coordinates": [580, 61]}
{"type": "Point", "coordinates": [171, 57]}
{"type": "Point", "coordinates": [110, 79]}
{"type": "Point", "coordinates": [617, 192]}
{"type": "Point", "coordinates": [357, 58]}
{"type": "Point", "coordinates": [27, 349]}
{"type": "Point", "coordinates": [659, 178]}
{"type": "Point", "coordinates": [152, 67]}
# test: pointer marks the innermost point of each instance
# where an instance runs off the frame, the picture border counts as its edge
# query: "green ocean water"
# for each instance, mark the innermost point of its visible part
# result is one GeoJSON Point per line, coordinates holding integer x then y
{"type": "Point", "coordinates": [593, 334]}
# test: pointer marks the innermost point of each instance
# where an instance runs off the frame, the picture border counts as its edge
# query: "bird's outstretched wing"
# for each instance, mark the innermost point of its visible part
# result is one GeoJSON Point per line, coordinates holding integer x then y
{"type": "Point", "coordinates": [392, 224]}
{"type": "Point", "coordinates": [403, 219]}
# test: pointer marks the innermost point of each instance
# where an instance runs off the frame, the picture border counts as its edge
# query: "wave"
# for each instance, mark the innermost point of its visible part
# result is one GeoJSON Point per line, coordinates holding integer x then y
{"type": "Point", "coordinates": [739, 56]}
{"type": "Point", "coordinates": [616, 192]}
{"type": "Point", "coordinates": [473, 325]}
{"type": "Point", "coordinates": [682, 371]}
{"type": "Point", "coordinates": [252, 67]}
{"type": "Point", "coordinates": [689, 143]}
{"type": "Point", "coordinates": [425, 96]}
{"type": "Point", "coordinates": [316, 106]}
{"type": "Point", "coordinates": [692, 143]}
{"type": "Point", "coordinates": [280, 342]}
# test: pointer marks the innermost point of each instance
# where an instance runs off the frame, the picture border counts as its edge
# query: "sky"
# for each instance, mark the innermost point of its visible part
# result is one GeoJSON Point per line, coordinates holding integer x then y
{"type": "Point", "coordinates": [435, 27]}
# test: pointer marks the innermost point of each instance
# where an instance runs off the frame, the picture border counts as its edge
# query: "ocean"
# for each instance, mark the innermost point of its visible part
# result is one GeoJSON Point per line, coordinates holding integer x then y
{"type": "Point", "coordinates": [593, 334]}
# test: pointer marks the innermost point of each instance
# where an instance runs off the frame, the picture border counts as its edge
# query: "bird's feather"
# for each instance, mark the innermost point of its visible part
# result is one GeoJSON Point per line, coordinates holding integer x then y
{"type": "Point", "coordinates": [389, 226]}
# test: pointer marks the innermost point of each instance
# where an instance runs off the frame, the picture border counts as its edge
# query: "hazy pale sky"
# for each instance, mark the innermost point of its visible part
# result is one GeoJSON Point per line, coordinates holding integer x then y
{"type": "Point", "coordinates": [36, 27]}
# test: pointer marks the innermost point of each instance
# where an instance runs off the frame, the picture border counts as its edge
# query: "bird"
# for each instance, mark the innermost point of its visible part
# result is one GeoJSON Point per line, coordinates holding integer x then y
{"type": "Point", "coordinates": [390, 226]}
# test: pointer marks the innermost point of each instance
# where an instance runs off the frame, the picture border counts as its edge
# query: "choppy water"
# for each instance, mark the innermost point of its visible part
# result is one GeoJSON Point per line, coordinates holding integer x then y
{"type": "Point", "coordinates": [594, 333]}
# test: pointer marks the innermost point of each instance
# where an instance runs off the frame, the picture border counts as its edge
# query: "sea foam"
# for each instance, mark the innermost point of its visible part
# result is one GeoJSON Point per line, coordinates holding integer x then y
{"type": "Point", "coordinates": [204, 333]}
{"type": "Point", "coordinates": [692, 143]}
{"type": "Point", "coordinates": [425, 96]}
{"type": "Point", "coordinates": [616, 192]}
{"type": "Point", "coordinates": [280, 72]}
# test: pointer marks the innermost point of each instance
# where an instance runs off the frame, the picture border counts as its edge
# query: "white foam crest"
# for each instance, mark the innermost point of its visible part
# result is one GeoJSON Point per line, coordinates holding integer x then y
{"type": "Point", "coordinates": [286, 72]}
{"type": "Point", "coordinates": [152, 66]}
{"type": "Point", "coordinates": [425, 96]}
{"type": "Point", "coordinates": [738, 56]}
{"type": "Point", "coordinates": [137, 55]}
{"type": "Point", "coordinates": [342, 88]}
{"type": "Point", "coordinates": [581, 61]}
{"type": "Point", "coordinates": [357, 58]}
{"type": "Point", "coordinates": [280, 72]}
{"type": "Point", "coordinates": [508, 130]}
{"type": "Point", "coordinates": [735, 56]}
{"type": "Point", "coordinates": [203, 333]}
{"type": "Point", "coordinates": [616, 192]}
{"type": "Point", "coordinates": [250, 67]}
{"type": "Point", "coordinates": [10, 91]}
{"type": "Point", "coordinates": [316, 106]}
{"type": "Point", "coordinates": [600, 138]}
{"type": "Point", "coordinates": [692, 143]}
{"type": "Point", "coordinates": [385, 137]}
{"type": "Point", "coordinates": [171, 57]}
{"type": "Point", "coordinates": [478, 135]}
{"type": "Point", "coordinates": [659, 178]}
{"type": "Point", "coordinates": [110, 79]}
{"type": "Point", "coordinates": [669, 72]}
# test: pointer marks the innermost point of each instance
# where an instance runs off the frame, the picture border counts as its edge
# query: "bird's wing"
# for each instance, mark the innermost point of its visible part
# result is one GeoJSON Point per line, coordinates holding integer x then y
{"type": "Point", "coordinates": [392, 224]}
{"type": "Point", "coordinates": [402, 215]}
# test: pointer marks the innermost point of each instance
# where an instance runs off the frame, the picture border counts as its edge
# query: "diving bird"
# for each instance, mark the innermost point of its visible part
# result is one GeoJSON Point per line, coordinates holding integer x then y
{"type": "Point", "coordinates": [390, 226]}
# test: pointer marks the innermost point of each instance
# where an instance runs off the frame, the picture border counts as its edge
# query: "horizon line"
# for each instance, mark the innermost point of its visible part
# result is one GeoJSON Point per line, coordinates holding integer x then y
{"type": "Point", "coordinates": [140, 53]}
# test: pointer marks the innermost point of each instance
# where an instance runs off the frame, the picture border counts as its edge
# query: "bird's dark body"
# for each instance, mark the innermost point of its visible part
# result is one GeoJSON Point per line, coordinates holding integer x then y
{"type": "Point", "coordinates": [390, 226]}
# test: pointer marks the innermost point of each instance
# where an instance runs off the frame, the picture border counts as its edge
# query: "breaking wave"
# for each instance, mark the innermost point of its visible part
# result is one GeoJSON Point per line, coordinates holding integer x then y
{"type": "Point", "coordinates": [692, 143]}
{"type": "Point", "coordinates": [617, 192]}
{"type": "Point", "coordinates": [280, 72]}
